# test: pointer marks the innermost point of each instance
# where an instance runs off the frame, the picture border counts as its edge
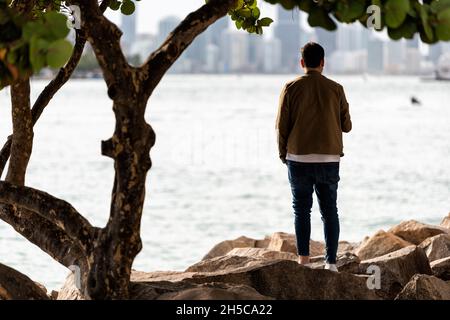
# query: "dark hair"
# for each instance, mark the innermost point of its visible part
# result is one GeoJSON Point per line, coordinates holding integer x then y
{"type": "Point", "coordinates": [313, 53]}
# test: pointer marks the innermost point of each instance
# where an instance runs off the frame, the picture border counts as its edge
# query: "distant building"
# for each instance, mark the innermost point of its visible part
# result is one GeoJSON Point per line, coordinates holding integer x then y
{"type": "Point", "coordinates": [351, 55]}
{"type": "Point", "coordinates": [287, 30]}
{"type": "Point", "coordinates": [212, 58]}
{"type": "Point", "coordinates": [255, 52]}
{"type": "Point", "coordinates": [272, 55]}
{"type": "Point", "coordinates": [235, 48]}
{"type": "Point", "coordinates": [128, 27]}
{"type": "Point", "coordinates": [348, 62]}
{"type": "Point", "coordinates": [145, 44]}
{"type": "Point", "coordinates": [413, 60]}
{"type": "Point", "coordinates": [327, 39]}
{"type": "Point", "coordinates": [166, 26]}
{"type": "Point", "coordinates": [395, 55]}
{"type": "Point", "coordinates": [414, 42]}
{"type": "Point", "coordinates": [375, 55]}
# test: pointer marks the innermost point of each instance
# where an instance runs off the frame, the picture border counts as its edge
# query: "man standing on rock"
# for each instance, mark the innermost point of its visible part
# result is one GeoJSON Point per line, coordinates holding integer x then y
{"type": "Point", "coordinates": [312, 115]}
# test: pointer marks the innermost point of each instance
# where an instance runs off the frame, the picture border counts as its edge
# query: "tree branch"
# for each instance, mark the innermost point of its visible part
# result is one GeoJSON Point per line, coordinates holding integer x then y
{"type": "Point", "coordinates": [104, 36]}
{"type": "Point", "coordinates": [48, 93]}
{"type": "Point", "coordinates": [22, 138]}
{"type": "Point", "coordinates": [58, 211]}
{"type": "Point", "coordinates": [44, 234]}
{"type": "Point", "coordinates": [179, 39]}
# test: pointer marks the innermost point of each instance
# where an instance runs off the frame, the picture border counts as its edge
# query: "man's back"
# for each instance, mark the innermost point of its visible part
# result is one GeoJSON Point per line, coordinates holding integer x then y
{"type": "Point", "coordinates": [312, 115]}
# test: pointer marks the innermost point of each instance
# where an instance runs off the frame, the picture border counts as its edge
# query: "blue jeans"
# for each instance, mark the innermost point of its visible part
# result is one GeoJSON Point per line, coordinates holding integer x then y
{"type": "Point", "coordinates": [323, 178]}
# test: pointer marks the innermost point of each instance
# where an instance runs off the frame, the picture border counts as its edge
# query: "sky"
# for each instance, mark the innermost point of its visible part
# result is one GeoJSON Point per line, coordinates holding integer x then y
{"type": "Point", "coordinates": [151, 11]}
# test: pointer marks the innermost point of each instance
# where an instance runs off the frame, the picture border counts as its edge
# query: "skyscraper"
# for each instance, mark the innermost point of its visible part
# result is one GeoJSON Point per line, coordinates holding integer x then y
{"type": "Point", "coordinates": [375, 55]}
{"type": "Point", "coordinates": [128, 26]}
{"type": "Point", "coordinates": [166, 26]}
{"type": "Point", "coordinates": [327, 39]}
{"type": "Point", "coordinates": [287, 31]}
{"type": "Point", "coordinates": [234, 46]}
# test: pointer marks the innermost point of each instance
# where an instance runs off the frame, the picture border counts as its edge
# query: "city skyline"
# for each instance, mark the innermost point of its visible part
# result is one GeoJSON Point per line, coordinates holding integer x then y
{"type": "Point", "coordinates": [352, 49]}
{"type": "Point", "coordinates": [149, 13]}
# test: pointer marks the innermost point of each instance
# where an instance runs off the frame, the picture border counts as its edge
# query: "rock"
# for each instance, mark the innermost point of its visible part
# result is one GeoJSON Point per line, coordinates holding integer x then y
{"type": "Point", "coordinates": [437, 247]}
{"type": "Point", "coordinates": [224, 247]}
{"type": "Point", "coordinates": [286, 242]}
{"type": "Point", "coordinates": [54, 295]}
{"type": "Point", "coordinates": [379, 244]}
{"type": "Point", "coordinates": [281, 241]}
{"type": "Point", "coordinates": [346, 262]}
{"type": "Point", "coordinates": [17, 286]}
{"type": "Point", "coordinates": [215, 291]}
{"type": "Point", "coordinates": [441, 268]}
{"type": "Point", "coordinates": [262, 253]}
{"type": "Point", "coordinates": [345, 246]}
{"type": "Point", "coordinates": [283, 279]}
{"type": "Point", "coordinates": [69, 291]}
{"type": "Point", "coordinates": [397, 268]}
{"type": "Point", "coordinates": [416, 232]}
{"type": "Point", "coordinates": [424, 287]}
{"type": "Point", "coordinates": [223, 263]}
{"type": "Point", "coordinates": [446, 222]}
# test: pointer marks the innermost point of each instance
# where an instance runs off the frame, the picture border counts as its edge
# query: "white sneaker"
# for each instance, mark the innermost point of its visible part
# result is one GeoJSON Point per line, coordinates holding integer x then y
{"type": "Point", "coordinates": [331, 267]}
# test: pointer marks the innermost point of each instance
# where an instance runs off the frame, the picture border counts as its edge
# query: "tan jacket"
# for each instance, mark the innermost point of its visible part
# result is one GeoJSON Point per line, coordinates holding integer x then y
{"type": "Point", "coordinates": [312, 115]}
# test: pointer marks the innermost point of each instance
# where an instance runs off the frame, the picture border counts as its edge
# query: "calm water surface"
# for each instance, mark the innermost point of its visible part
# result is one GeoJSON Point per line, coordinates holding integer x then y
{"type": "Point", "coordinates": [216, 174]}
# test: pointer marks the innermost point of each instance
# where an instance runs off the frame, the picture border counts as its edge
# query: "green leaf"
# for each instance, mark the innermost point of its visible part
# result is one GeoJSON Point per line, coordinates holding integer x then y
{"type": "Point", "coordinates": [256, 13]}
{"type": "Point", "coordinates": [58, 53]}
{"type": "Point", "coordinates": [114, 5]}
{"type": "Point", "coordinates": [428, 30]}
{"type": "Point", "coordinates": [37, 53]}
{"type": "Point", "coordinates": [239, 4]}
{"type": "Point", "coordinates": [439, 5]}
{"type": "Point", "coordinates": [407, 30]}
{"type": "Point", "coordinates": [443, 27]}
{"type": "Point", "coordinates": [320, 18]}
{"type": "Point", "coordinates": [265, 22]}
{"type": "Point", "coordinates": [127, 7]}
{"type": "Point", "coordinates": [56, 25]}
{"type": "Point", "coordinates": [351, 10]}
{"type": "Point", "coordinates": [396, 11]}
{"type": "Point", "coordinates": [246, 13]}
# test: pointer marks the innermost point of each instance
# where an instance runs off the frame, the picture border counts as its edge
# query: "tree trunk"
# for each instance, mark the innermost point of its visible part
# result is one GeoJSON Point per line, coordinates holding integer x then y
{"type": "Point", "coordinates": [119, 242]}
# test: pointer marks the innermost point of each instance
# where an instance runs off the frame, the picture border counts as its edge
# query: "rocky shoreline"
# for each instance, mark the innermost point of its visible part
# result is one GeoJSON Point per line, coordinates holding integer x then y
{"type": "Point", "coordinates": [409, 261]}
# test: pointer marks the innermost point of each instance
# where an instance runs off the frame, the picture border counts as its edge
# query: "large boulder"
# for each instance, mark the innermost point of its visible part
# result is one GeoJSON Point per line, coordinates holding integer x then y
{"type": "Point", "coordinates": [286, 242]}
{"type": "Point", "coordinates": [222, 248]}
{"type": "Point", "coordinates": [416, 232]}
{"type": "Point", "coordinates": [278, 241]}
{"type": "Point", "coordinates": [379, 244]}
{"type": "Point", "coordinates": [17, 286]}
{"type": "Point", "coordinates": [425, 287]}
{"type": "Point", "coordinates": [284, 279]}
{"type": "Point", "coordinates": [222, 263]}
{"type": "Point", "coordinates": [441, 268]}
{"type": "Point", "coordinates": [437, 247]}
{"type": "Point", "coordinates": [166, 290]}
{"type": "Point", "coordinates": [397, 268]}
{"type": "Point", "coordinates": [446, 222]}
{"type": "Point", "coordinates": [215, 291]}
{"type": "Point", "coordinates": [262, 253]}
